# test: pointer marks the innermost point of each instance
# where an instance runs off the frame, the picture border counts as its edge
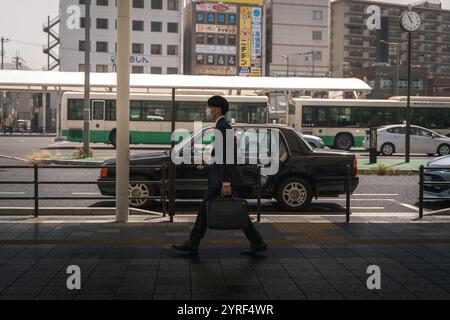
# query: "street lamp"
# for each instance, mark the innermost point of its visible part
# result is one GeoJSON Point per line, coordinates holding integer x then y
{"type": "Point", "coordinates": [397, 46]}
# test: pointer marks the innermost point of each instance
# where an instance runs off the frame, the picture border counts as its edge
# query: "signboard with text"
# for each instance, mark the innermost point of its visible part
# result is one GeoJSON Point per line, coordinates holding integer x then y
{"type": "Point", "coordinates": [211, 7]}
{"type": "Point", "coordinates": [253, 2]}
{"type": "Point", "coordinates": [215, 28]}
{"type": "Point", "coordinates": [256, 52]}
{"type": "Point", "coordinates": [245, 41]}
{"type": "Point", "coordinates": [201, 48]}
{"type": "Point", "coordinates": [216, 70]}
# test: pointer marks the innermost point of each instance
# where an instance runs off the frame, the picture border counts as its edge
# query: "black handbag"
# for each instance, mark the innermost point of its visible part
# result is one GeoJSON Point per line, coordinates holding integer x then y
{"type": "Point", "coordinates": [227, 213]}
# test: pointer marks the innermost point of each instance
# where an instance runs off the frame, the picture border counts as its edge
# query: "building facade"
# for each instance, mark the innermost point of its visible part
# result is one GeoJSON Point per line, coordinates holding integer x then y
{"type": "Point", "coordinates": [224, 37]}
{"type": "Point", "coordinates": [156, 36]}
{"type": "Point", "coordinates": [354, 45]}
{"type": "Point", "coordinates": [298, 38]}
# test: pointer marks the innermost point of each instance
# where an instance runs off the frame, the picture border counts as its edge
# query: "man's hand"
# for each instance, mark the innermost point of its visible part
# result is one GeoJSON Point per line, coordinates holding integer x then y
{"type": "Point", "coordinates": [226, 189]}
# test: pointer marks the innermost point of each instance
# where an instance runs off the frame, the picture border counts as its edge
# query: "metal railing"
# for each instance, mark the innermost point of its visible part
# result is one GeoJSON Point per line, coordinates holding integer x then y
{"type": "Point", "coordinates": [36, 183]}
{"type": "Point", "coordinates": [423, 184]}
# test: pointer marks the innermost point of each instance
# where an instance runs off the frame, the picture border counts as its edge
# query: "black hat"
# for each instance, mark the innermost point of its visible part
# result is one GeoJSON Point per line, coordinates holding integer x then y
{"type": "Point", "coordinates": [220, 102]}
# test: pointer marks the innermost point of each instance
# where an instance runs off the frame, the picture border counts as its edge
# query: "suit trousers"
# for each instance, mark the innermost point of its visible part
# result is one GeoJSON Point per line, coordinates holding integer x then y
{"type": "Point", "coordinates": [200, 225]}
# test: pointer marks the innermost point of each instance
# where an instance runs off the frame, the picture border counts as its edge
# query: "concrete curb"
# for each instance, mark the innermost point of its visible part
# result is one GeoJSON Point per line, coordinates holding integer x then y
{"type": "Point", "coordinates": [406, 172]}
{"type": "Point", "coordinates": [70, 211]}
{"type": "Point", "coordinates": [71, 162]}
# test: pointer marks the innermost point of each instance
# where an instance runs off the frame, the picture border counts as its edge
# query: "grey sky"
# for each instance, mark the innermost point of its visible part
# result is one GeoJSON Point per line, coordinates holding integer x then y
{"type": "Point", "coordinates": [21, 21]}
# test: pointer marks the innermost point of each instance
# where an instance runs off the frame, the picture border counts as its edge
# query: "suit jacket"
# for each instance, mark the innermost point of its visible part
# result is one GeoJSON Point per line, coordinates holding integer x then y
{"type": "Point", "coordinates": [221, 172]}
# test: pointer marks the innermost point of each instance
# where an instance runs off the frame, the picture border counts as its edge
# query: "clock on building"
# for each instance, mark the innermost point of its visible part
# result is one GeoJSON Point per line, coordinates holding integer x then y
{"type": "Point", "coordinates": [410, 21]}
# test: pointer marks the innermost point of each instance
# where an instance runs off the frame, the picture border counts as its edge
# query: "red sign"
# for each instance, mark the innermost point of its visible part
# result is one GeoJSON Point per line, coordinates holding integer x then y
{"type": "Point", "coordinates": [220, 7]}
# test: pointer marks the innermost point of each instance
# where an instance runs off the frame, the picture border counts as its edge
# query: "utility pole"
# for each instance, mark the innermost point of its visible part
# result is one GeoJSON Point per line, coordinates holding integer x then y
{"type": "Point", "coordinates": [3, 41]}
{"type": "Point", "coordinates": [87, 70]}
{"type": "Point", "coordinates": [2, 52]}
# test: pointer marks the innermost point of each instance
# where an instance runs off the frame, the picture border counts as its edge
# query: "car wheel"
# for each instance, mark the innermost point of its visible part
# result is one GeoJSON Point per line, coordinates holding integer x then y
{"type": "Point", "coordinates": [387, 149]}
{"type": "Point", "coordinates": [140, 190]}
{"type": "Point", "coordinates": [343, 141]}
{"type": "Point", "coordinates": [294, 194]}
{"type": "Point", "coordinates": [444, 149]}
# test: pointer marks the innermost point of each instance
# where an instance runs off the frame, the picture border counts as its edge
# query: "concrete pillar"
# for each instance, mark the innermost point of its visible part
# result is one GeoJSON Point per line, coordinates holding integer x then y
{"type": "Point", "coordinates": [123, 107]}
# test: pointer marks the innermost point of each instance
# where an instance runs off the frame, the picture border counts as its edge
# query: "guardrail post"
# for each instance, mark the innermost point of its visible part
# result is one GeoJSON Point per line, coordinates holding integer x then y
{"type": "Point", "coordinates": [36, 190]}
{"type": "Point", "coordinates": [258, 212]}
{"type": "Point", "coordinates": [347, 193]}
{"type": "Point", "coordinates": [163, 190]}
{"type": "Point", "coordinates": [421, 181]}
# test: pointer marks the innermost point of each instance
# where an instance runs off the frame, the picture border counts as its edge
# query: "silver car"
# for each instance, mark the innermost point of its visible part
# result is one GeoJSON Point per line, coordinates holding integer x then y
{"type": "Point", "coordinates": [313, 141]}
{"type": "Point", "coordinates": [391, 139]}
{"type": "Point", "coordinates": [440, 174]}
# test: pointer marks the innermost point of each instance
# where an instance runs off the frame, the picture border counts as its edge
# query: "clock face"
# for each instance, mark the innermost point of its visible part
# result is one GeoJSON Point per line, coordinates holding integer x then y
{"type": "Point", "coordinates": [410, 21]}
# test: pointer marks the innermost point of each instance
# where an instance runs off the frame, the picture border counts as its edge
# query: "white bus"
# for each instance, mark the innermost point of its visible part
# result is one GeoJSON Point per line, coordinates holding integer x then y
{"type": "Point", "coordinates": [342, 123]}
{"type": "Point", "coordinates": [150, 115]}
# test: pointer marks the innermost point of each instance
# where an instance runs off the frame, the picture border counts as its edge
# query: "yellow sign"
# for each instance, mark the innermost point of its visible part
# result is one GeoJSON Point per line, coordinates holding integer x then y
{"type": "Point", "coordinates": [254, 2]}
{"type": "Point", "coordinates": [215, 70]}
{"type": "Point", "coordinates": [245, 45]}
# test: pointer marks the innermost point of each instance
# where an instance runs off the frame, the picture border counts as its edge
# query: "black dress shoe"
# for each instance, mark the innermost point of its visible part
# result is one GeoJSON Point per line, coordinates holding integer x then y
{"type": "Point", "coordinates": [254, 249]}
{"type": "Point", "coordinates": [187, 247]}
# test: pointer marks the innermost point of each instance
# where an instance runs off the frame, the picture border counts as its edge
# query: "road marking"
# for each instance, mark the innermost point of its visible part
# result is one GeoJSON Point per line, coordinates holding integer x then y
{"type": "Point", "coordinates": [11, 192]}
{"type": "Point", "coordinates": [13, 158]}
{"type": "Point", "coordinates": [85, 193]}
{"type": "Point", "coordinates": [408, 206]}
{"type": "Point", "coordinates": [367, 208]}
{"type": "Point", "coordinates": [376, 194]}
{"type": "Point", "coordinates": [339, 199]}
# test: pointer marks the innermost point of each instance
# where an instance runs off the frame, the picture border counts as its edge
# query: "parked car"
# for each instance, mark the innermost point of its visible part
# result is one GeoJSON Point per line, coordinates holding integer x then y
{"type": "Point", "coordinates": [391, 139]}
{"type": "Point", "coordinates": [438, 170]}
{"type": "Point", "coordinates": [303, 172]}
{"type": "Point", "coordinates": [314, 142]}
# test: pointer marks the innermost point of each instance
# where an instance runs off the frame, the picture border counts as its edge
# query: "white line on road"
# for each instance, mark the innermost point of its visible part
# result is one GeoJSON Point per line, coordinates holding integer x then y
{"type": "Point", "coordinates": [408, 206]}
{"type": "Point", "coordinates": [339, 199]}
{"type": "Point", "coordinates": [85, 193]}
{"type": "Point", "coordinates": [376, 194]}
{"type": "Point", "coordinates": [11, 192]}
{"type": "Point", "coordinates": [13, 158]}
{"type": "Point", "coordinates": [367, 208]}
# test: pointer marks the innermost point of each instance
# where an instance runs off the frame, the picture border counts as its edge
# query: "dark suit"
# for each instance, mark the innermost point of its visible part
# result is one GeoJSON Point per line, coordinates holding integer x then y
{"type": "Point", "coordinates": [218, 174]}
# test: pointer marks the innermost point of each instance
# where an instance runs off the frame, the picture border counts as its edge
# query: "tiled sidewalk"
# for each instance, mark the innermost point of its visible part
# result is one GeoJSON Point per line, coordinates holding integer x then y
{"type": "Point", "coordinates": [323, 260]}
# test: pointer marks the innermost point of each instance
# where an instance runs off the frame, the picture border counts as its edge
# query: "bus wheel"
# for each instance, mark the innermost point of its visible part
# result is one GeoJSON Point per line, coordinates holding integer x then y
{"type": "Point", "coordinates": [140, 190]}
{"type": "Point", "coordinates": [343, 141]}
{"type": "Point", "coordinates": [387, 149]}
{"type": "Point", "coordinates": [294, 194]}
{"type": "Point", "coordinates": [113, 138]}
{"type": "Point", "coordinates": [444, 149]}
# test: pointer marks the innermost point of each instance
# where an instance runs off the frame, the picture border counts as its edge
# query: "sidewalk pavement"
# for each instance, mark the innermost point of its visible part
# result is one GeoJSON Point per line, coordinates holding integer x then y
{"type": "Point", "coordinates": [308, 258]}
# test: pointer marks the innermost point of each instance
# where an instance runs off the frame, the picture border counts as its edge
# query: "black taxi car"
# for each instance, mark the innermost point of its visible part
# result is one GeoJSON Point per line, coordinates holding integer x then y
{"type": "Point", "coordinates": [302, 172]}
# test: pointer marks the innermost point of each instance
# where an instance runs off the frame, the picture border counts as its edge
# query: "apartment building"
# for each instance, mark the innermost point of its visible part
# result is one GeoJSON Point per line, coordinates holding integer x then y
{"type": "Point", "coordinates": [298, 38]}
{"type": "Point", "coordinates": [156, 36]}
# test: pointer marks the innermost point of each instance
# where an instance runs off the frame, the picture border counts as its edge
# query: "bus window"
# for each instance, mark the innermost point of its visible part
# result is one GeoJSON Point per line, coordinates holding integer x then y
{"type": "Point", "coordinates": [191, 111]}
{"type": "Point", "coordinates": [237, 112]}
{"type": "Point", "coordinates": [98, 109]}
{"type": "Point", "coordinates": [308, 116]}
{"type": "Point", "coordinates": [110, 110]}
{"type": "Point", "coordinates": [157, 111]}
{"type": "Point", "coordinates": [322, 118]}
{"type": "Point", "coordinates": [135, 110]}
{"type": "Point", "coordinates": [75, 109]}
{"type": "Point", "coordinates": [257, 114]}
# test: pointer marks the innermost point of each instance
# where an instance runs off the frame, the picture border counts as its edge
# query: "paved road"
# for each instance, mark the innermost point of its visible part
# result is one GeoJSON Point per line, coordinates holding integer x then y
{"type": "Point", "coordinates": [375, 194]}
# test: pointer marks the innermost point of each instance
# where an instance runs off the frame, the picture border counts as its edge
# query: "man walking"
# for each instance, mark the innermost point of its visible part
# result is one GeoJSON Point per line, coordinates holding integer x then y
{"type": "Point", "coordinates": [219, 183]}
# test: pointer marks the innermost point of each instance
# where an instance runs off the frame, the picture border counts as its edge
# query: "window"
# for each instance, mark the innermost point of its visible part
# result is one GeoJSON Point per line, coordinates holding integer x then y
{"type": "Point", "coordinates": [210, 38]}
{"type": "Point", "coordinates": [156, 26]}
{"type": "Point", "coordinates": [172, 27]}
{"type": "Point", "coordinates": [137, 69]}
{"type": "Point", "coordinates": [317, 15]}
{"type": "Point", "coordinates": [102, 46]}
{"type": "Point", "coordinates": [138, 4]}
{"type": "Point", "coordinates": [82, 22]}
{"type": "Point", "coordinates": [81, 45]}
{"type": "Point", "coordinates": [221, 39]}
{"type": "Point", "coordinates": [200, 38]}
{"type": "Point", "coordinates": [103, 3]}
{"type": "Point", "coordinates": [317, 35]}
{"type": "Point", "coordinates": [156, 49]}
{"type": "Point", "coordinates": [156, 110]}
{"type": "Point", "coordinates": [172, 5]}
{"type": "Point", "coordinates": [231, 40]}
{"type": "Point", "coordinates": [221, 18]}
{"type": "Point", "coordinates": [156, 70]}
{"type": "Point", "coordinates": [81, 67]}
{"type": "Point", "coordinates": [82, 1]}
{"type": "Point", "coordinates": [135, 110]}
{"type": "Point", "coordinates": [137, 48]}
{"type": "Point", "coordinates": [75, 109]}
{"type": "Point", "coordinates": [210, 59]}
{"type": "Point", "coordinates": [98, 110]}
{"type": "Point", "coordinates": [200, 17]}
{"type": "Point", "coordinates": [231, 19]}
{"type": "Point", "coordinates": [211, 18]}
{"type": "Point", "coordinates": [231, 60]}
{"type": "Point", "coordinates": [157, 4]}
{"type": "Point", "coordinates": [317, 56]}
{"type": "Point", "coordinates": [221, 60]}
{"type": "Point", "coordinates": [171, 70]}
{"type": "Point", "coordinates": [110, 110]}
{"type": "Point", "coordinates": [386, 84]}
{"type": "Point", "coordinates": [138, 25]}
{"type": "Point", "coordinates": [102, 23]}
{"type": "Point", "coordinates": [200, 58]}
{"type": "Point", "coordinates": [172, 50]}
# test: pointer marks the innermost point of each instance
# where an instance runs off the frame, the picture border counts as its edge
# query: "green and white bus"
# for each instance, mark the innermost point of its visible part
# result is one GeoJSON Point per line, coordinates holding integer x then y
{"type": "Point", "coordinates": [342, 123]}
{"type": "Point", "coordinates": [150, 115]}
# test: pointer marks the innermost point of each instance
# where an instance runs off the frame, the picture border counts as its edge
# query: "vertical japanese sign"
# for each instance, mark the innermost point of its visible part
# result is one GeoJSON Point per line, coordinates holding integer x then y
{"type": "Point", "coordinates": [256, 51]}
{"type": "Point", "coordinates": [245, 45]}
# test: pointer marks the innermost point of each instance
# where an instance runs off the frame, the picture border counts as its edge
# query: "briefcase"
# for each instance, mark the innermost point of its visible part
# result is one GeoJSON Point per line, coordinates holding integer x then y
{"type": "Point", "coordinates": [227, 213]}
